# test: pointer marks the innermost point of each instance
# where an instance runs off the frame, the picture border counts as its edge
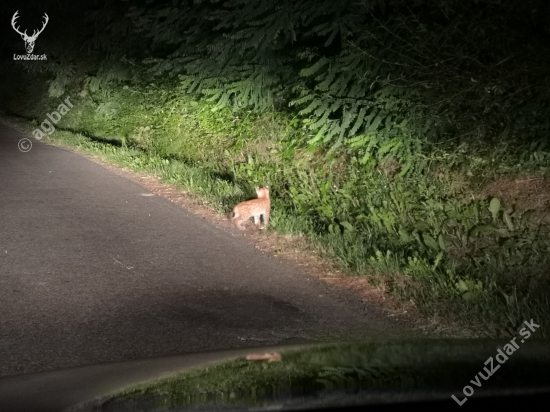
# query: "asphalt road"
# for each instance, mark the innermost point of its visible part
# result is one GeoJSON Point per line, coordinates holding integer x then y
{"type": "Point", "coordinates": [93, 271]}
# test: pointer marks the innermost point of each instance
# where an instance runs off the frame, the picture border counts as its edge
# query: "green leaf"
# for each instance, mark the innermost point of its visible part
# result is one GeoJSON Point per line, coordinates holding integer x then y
{"type": "Point", "coordinates": [461, 286]}
{"type": "Point", "coordinates": [404, 235]}
{"type": "Point", "coordinates": [348, 226]}
{"type": "Point", "coordinates": [313, 105]}
{"type": "Point", "coordinates": [430, 242]}
{"type": "Point", "coordinates": [319, 135]}
{"type": "Point", "coordinates": [494, 207]}
{"type": "Point", "coordinates": [441, 241]}
{"type": "Point", "coordinates": [326, 210]}
{"type": "Point", "coordinates": [374, 125]}
{"type": "Point", "coordinates": [365, 158]}
{"type": "Point", "coordinates": [358, 121]}
{"type": "Point", "coordinates": [437, 260]}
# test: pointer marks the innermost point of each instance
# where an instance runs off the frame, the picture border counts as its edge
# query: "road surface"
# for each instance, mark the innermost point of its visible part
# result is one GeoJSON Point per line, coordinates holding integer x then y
{"type": "Point", "coordinates": [92, 270]}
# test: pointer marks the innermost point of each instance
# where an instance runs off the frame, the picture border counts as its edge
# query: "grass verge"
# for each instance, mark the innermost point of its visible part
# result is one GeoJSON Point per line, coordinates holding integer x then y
{"type": "Point", "coordinates": [452, 238]}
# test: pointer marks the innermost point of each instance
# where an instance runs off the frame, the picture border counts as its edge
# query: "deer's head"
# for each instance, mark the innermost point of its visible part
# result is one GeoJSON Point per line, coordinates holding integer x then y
{"type": "Point", "coordinates": [29, 40]}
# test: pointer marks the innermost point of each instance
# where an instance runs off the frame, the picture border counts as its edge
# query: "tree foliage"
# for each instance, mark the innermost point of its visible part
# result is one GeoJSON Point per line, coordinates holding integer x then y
{"type": "Point", "coordinates": [374, 76]}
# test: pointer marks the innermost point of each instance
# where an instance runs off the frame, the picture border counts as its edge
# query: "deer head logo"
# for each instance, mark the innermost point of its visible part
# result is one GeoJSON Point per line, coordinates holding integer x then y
{"type": "Point", "coordinates": [29, 40]}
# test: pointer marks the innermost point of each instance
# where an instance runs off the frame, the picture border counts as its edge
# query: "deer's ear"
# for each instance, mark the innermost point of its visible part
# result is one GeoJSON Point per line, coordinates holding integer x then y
{"type": "Point", "coordinates": [23, 36]}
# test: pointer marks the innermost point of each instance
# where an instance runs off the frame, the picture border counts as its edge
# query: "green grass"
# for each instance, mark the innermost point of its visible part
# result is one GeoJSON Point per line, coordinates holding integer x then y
{"type": "Point", "coordinates": [426, 236]}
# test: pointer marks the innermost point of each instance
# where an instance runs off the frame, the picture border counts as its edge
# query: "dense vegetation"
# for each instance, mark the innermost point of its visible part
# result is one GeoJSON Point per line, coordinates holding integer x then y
{"type": "Point", "coordinates": [408, 140]}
